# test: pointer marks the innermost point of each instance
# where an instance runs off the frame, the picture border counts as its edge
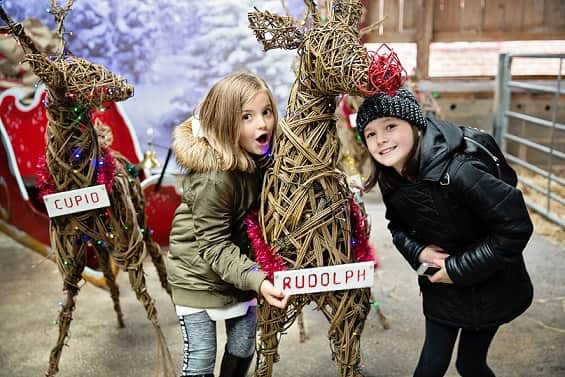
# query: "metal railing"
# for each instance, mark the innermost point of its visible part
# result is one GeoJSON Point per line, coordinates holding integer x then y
{"type": "Point", "coordinates": [504, 89]}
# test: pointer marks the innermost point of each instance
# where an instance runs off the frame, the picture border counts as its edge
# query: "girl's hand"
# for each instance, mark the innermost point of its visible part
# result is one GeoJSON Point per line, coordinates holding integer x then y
{"type": "Point", "coordinates": [441, 276]}
{"type": "Point", "coordinates": [431, 253]}
{"type": "Point", "coordinates": [273, 295]}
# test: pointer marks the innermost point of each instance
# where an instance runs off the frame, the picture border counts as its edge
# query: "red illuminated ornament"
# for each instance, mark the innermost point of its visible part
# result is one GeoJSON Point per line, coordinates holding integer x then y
{"type": "Point", "coordinates": [386, 73]}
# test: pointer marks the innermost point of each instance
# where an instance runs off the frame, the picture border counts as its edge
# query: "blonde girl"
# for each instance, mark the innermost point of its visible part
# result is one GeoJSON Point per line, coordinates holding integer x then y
{"type": "Point", "coordinates": [210, 269]}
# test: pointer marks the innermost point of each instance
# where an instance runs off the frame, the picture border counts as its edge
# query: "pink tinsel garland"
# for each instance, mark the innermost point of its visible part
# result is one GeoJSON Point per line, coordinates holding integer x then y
{"type": "Point", "coordinates": [105, 173]}
{"type": "Point", "coordinates": [45, 183]}
{"type": "Point", "coordinates": [364, 251]}
{"type": "Point", "coordinates": [106, 170]}
{"type": "Point", "coordinates": [266, 258]}
{"type": "Point", "coordinates": [270, 262]}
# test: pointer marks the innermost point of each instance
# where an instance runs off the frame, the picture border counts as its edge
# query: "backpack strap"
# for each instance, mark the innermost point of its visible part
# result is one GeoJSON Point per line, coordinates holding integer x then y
{"type": "Point", "coordinates": [495, 159]}
{"type": "Point", "coordinates": [445, 179]}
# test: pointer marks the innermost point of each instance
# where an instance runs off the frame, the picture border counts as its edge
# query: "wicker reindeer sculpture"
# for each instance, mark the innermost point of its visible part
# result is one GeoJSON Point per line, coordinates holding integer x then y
{"type": "Point", "coordinates": [307, 216]}
{"type": "Point", "coordinates": [76, 157]}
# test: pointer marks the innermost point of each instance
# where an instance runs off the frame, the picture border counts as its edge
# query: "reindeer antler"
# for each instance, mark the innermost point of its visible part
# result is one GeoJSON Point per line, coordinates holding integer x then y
{"type": "Point", "coordinates": [60, 13]}
{"type": "Point", "coordinates": [17, 30]}
{"type": "Point", "coordinates": [347, 11]}
{"type": "Point", "coordinates": [275, 31]}
{"type": "Point", "coordinates": [369, 28]}
{"type": "Point", "coordinates": [296, 21]}
{"type": "Point", "coordinates": [5, 16]}
{"type": "Point", "coordinates": [313, 10]}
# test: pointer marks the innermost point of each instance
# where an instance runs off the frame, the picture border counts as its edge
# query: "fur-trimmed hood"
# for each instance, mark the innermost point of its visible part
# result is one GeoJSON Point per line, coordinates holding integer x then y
{"type": "Point", "coordinates": [192, 152]}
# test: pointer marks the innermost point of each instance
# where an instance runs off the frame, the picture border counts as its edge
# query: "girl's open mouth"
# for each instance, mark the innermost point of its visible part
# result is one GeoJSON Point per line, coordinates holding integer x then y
{"type": "Point", "coordinates": [263, 139]}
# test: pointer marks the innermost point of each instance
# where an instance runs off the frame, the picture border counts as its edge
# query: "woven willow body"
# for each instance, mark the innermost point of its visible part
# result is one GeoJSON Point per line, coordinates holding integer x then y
{"type": "Point", "coordinates": [305, 213]}
{"type": "Point", "coordinates": [74, 157]}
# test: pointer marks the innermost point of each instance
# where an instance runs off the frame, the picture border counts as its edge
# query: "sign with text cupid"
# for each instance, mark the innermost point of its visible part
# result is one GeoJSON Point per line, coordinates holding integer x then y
{"type": "Point", "coordinates": [85, 199]}
{"type": "Point", "coordinates": [323, 279]}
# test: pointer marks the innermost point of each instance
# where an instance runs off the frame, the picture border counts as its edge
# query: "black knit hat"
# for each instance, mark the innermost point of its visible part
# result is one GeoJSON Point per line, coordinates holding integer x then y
{"type": "Point", "coordinates": [402, 105]}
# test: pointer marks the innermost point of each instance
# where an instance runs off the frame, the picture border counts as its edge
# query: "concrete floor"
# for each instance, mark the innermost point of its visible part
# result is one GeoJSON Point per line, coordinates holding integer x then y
{"type": "Point", "coordinates": [31, 292]}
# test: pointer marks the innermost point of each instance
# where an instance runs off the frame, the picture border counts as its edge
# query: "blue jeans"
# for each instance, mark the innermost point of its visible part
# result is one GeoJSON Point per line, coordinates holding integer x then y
{"type": "Point", "coordinates": [199, 336]}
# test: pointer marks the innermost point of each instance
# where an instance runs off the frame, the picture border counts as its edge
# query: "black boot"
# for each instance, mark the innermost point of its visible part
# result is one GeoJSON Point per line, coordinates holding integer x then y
{"type": "Point", "coordinates": [233, 366]}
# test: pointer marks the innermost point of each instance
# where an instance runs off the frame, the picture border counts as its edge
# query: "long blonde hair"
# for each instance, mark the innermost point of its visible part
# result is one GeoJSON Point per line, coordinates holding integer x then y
{"type": "Point", "coordinates": [220, 115]}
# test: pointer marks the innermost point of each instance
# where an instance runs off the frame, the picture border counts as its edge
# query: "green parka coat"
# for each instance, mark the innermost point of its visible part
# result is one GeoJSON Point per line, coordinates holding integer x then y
{"type": "Point", "coordinates": [209, 263]}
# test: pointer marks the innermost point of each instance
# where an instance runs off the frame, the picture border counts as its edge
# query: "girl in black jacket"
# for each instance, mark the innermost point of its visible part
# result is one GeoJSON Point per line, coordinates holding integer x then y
{"type": "Point", "coordinates": [445, 208]}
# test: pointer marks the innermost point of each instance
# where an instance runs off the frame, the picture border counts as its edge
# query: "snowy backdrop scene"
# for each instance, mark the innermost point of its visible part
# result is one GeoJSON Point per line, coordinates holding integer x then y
{"type": "Point", "coordinates": [172, 51]}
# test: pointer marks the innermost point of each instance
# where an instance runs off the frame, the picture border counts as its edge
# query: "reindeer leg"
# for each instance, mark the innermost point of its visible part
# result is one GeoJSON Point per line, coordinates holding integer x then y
{"type": "Point", "coordinates": [346, 327]}
{"type": "Point", "coordinates": [382, 318]}
{"type": "Point", "coordinates": [71, 267]}
{"type": "Point", "coordinates": [106, 265]}
{"type": "Point", "coordinates": [159, 263]}
{"type": "Point", "coordinates": [138, 201]}
{"type": "Point", "coordinates": [138, 284]}
{"type": "Point", "coordinates": [301, 328]}
{"type": "Point", "coordinates": [270, 322]}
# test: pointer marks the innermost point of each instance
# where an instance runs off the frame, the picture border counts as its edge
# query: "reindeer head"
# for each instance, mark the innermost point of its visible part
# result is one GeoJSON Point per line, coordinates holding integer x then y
{"type": "Point", "coordinates": [65, 75]}
{"type": "Point", "coordinates": [332, 59]}
{"type": "Point", "coordinates": [79, 80]}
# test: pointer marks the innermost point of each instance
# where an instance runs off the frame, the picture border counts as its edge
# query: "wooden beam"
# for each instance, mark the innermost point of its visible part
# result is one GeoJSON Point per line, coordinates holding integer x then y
{"type": "Point", "coordinates": [469, 36]}
{"type": "Point", "coordinates": [446, 36]}
{"type": "Point", "coordinates": [424, 36]}
{"type": "Point", "coordinates": [407, 36]}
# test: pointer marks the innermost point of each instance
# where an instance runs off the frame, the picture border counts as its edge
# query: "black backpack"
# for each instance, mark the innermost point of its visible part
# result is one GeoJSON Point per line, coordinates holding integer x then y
{"type": "Point", "coordinates": [482, 146]}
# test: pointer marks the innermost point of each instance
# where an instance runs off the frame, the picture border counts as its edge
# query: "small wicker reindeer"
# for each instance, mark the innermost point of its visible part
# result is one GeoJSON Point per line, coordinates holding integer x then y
{"type": "Point", "coordinates": [77, 158]}
{"type": "Point", "coordinates": [307, 213]}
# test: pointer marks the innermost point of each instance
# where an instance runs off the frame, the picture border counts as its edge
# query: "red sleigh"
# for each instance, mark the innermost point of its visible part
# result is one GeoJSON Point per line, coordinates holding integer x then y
{"type": "Point", "coordinates": [22, 212]}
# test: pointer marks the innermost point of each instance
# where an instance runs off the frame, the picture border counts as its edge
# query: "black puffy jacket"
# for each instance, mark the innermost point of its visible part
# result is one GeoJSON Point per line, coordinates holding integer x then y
{"type": "Point", "coordinates": [480, 220]}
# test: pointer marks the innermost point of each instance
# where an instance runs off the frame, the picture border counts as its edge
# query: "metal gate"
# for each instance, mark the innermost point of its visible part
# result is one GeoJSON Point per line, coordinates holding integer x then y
{"type": "Point", "coordinates": [514, 129]}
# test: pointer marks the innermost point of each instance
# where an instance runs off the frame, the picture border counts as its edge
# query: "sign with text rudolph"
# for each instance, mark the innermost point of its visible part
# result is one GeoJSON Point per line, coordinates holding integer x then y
{"type": "Point", "coordinates": [323, 279]}
{"type": "Point", "coordinates": [85, 199]}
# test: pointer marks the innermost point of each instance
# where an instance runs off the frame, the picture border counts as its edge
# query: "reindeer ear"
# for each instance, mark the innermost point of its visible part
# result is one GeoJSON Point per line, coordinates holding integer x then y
{"type": "Point", "coordinates": [275, 31]}
{"type": "Point", "coordinates": [348, 12]}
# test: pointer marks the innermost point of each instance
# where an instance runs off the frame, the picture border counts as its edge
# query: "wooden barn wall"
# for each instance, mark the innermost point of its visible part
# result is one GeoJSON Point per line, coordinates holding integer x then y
{"type": "Point", "coordinates": [427, 21]}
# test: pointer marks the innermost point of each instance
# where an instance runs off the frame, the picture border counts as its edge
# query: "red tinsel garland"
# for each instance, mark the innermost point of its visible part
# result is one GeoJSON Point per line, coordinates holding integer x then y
{"type": "Point", "coordinates": [105, 173]}
{"type": "Point", "coordinates": [386, 73]}
{"type": "Point", "coordinates": [270, 262]}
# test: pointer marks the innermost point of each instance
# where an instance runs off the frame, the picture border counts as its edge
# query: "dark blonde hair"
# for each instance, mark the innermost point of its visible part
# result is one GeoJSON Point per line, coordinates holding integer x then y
{"type": "Point", "coordinates": [220, 115]}
{"type": "Point", "coordinates": [386, 177]}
